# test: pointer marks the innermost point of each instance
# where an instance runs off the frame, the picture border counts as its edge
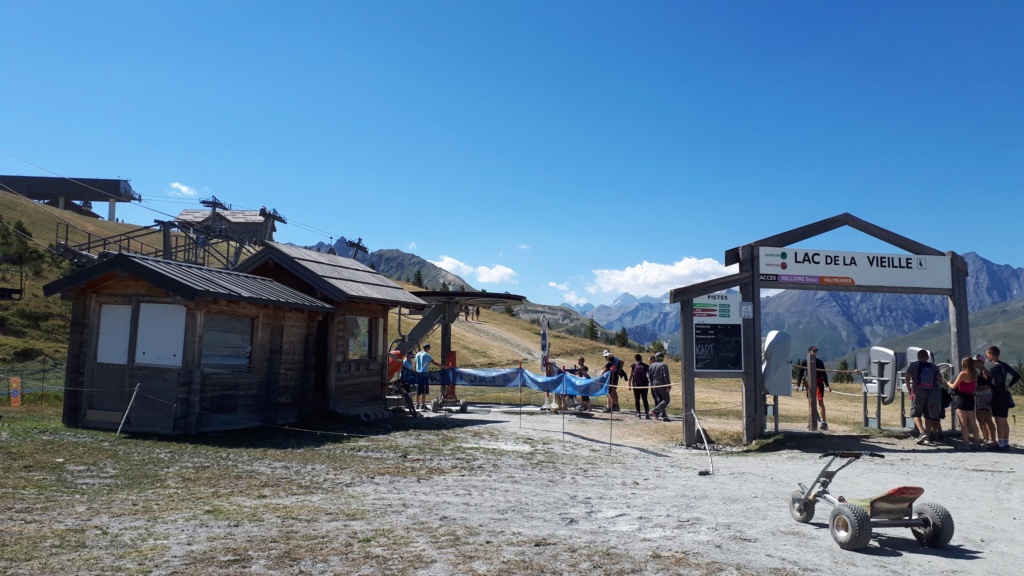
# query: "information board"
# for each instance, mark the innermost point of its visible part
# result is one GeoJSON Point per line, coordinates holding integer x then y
{"type": "Point", "coordinates": [717, 333]}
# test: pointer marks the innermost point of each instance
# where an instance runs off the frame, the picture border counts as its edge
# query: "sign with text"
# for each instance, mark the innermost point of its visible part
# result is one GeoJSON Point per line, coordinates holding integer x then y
{"type": "Point", "coordinates": [830, 268]}
{"type": "Point", "coordinates": [717, 333]}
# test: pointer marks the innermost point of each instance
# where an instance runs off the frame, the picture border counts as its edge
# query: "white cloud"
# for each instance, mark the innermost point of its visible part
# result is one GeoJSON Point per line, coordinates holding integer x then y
{"type": "Point", "coordinates": [652, 279]}
{"type": "Point", "coordinates": [179, 189]}
{"type": "Point", "coordinates": [412, 246]}
{"type": "Point", "coordinates": [575, 299]}
{"type": "Point", "coordinates": [496, 274]}
{"type": "Point", "coordinates": [523, 246]}
{"type": "Point", "coordinates": [568, 295]}
{"type": "Point", "coordinates": [452, 265]}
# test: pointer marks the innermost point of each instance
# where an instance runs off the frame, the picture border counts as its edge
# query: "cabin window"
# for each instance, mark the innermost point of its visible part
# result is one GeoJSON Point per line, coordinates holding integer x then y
{"type": "Point", "coordinates": [358, 336]}
{"type": "Point", "coordinates": [227, 343]}
{"type": "Point", "coordinates": [161, 337]}
{"type": "Point", "coordinates": [115, 326]}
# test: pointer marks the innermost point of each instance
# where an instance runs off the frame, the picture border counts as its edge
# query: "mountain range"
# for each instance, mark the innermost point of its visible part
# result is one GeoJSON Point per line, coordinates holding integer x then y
{"type": "Point", "coordinates": [839, 323]}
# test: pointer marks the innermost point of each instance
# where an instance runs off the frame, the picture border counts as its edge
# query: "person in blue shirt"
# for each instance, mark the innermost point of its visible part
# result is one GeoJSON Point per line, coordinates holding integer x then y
{"type": "Point", "coordinates": [408, 365]}
{"type": "Point", "coordinates": [423, 362]}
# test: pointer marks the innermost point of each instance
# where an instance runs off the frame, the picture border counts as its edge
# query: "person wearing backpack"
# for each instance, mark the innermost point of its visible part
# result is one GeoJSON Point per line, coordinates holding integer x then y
{"type": "Point", "coordinates": [639, 384]}
{"type": "Point", "coordinates": [924, 381]}
{"type": "Point", "coordinates": [1002, 401]}
{"type": "Point", "coordinates": [661, 386]}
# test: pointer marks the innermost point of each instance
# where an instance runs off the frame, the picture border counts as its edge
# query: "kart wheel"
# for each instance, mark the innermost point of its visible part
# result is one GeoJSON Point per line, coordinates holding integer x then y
{"type": "Point", "coordinates": [802, 510]}
{"type": "Point", "coordinates": [938, 528]}
{"type": "Point", "coordinates": [850, 526]}
{"type": "Point", "coordinates": [463, 407]}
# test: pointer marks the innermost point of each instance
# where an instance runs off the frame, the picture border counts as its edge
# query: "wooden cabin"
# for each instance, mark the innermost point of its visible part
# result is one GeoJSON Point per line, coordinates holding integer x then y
{"type": "Point", "coordinates": [191, 349]}
{"type": "Point", "coordinates": [352, 343]}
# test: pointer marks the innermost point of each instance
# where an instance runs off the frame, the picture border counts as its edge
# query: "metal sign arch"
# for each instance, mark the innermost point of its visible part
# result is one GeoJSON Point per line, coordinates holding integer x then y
{"type": "Point", "coordinates": [749, 280]}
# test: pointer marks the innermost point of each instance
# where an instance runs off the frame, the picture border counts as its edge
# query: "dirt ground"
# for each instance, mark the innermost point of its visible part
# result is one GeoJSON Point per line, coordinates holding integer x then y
{"type": "Point", "coordinates": [486, 492]}
{"type": "Point", "coordinates": [649, 503]}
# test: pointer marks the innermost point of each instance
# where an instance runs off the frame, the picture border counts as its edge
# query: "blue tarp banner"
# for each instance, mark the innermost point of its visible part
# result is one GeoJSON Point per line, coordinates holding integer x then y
{"type": "Point", "coordinates": [563, 383]}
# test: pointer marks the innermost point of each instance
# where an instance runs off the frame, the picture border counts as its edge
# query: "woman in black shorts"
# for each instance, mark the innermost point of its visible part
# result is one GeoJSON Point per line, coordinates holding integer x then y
{"type": "Point", "coordinates": [964, 385]}
{"type": "Point", "coordinates": [983, 403]}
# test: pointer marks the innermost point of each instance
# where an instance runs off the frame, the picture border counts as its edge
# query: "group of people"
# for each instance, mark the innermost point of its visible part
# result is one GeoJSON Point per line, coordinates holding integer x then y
{"type": "Point", "coordinates": [981, 398]}
{"type": "Point", "coordinates": [420, 362]}
{"type": "Point", "coordinates": [652, 377]}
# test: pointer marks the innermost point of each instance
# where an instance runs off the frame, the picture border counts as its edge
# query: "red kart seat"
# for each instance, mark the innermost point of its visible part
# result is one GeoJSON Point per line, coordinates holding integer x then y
{"type": "Point", "coordinates": [893, 505]}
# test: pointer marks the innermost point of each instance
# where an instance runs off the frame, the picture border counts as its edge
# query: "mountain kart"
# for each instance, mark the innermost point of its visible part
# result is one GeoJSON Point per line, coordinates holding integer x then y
{"type": "Point", "coordinates": [852, 521]}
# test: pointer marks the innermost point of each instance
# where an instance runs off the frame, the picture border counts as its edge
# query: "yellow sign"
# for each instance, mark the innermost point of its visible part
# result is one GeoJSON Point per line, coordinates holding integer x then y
{"type": "Point", "coordinates": [15, 389]}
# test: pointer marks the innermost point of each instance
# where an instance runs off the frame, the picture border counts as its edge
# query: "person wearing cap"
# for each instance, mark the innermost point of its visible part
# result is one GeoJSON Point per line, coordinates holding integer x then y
{"type": "Point", "coordinates": [822, 382]}
{"type": "Point", "coordinates": [983, 403]}
{"type": "Point", "coordinates": [661, 388]}
{"type": "Point", "coordinates": [612, 366]}
{"type": "Point", "coordinates": [423, 362]}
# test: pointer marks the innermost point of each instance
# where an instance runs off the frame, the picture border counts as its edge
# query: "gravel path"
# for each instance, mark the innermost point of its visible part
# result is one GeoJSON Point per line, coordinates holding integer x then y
{"type": "Point", "coordinates": [645, 509]}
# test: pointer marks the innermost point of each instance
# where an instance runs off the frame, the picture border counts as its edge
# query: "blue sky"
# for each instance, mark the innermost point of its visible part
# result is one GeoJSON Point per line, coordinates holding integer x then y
{"type": "Point", "coordinates": [567, 151]}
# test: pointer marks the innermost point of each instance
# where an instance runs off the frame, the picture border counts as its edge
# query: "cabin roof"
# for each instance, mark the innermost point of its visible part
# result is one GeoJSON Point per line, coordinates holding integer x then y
{"type": "Point", "coordinates": [337, 277]}
{"type": "Point", "coordinates": [190, 281]}
{"type": "Point", "coordinates": [236, 216]}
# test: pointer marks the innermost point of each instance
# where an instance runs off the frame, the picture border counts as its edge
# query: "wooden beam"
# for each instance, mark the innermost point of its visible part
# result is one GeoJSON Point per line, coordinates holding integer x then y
{"type": "Point", "coordinates": [732, 256]}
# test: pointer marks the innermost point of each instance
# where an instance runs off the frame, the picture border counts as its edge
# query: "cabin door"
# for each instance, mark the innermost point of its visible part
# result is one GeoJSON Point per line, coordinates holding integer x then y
{"type": "Point", "coordinates": [108, 390]}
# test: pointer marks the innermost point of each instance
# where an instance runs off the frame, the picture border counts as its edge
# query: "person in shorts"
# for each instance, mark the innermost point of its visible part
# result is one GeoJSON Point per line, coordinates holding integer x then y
{"type": "Point", "coordinates": [612, 366]}
{"type": "Point", "coordinates": [983, 404]}
{"type": "Point", "coordinates": [423, 362]}
{"type": "Point", "coordinates": [1002, 401]}
{"type": "Point", "coordinates": [963, 387]}
{"type": "Point", "coordinates": [925, 398]}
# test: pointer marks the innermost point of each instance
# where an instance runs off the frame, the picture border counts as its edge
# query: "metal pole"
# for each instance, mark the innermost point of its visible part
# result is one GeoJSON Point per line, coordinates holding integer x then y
{"type": "Point", "coordinates": [126, 410]}
{"type": "Point", "coordinates": [812, 391]}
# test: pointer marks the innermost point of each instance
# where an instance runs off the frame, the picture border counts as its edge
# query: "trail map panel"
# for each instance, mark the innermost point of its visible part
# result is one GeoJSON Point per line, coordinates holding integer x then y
{"type": "Point", "coordinates": [717, 333]}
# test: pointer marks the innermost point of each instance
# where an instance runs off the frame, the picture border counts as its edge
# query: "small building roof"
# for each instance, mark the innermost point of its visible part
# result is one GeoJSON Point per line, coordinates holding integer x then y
{"type": "Point", "coordinates": [190, 281]}
{"type": "Point", "coordinates": [336, 277]}
{"type": "Point", "coordinates": [45, 188]}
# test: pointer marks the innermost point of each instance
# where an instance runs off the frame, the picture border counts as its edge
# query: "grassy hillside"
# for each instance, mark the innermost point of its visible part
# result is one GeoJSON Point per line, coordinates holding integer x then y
{"type": "Point", "coordinates": [503, 341]}
{"type": "Point", "coordinates": [1001, 325]}
{"type": "Point", "coordinates": [34, 328]}
{"type": "Point", "coordinates": [37, 327]}
{"type": "Point", "coordinates": [41, 221]}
